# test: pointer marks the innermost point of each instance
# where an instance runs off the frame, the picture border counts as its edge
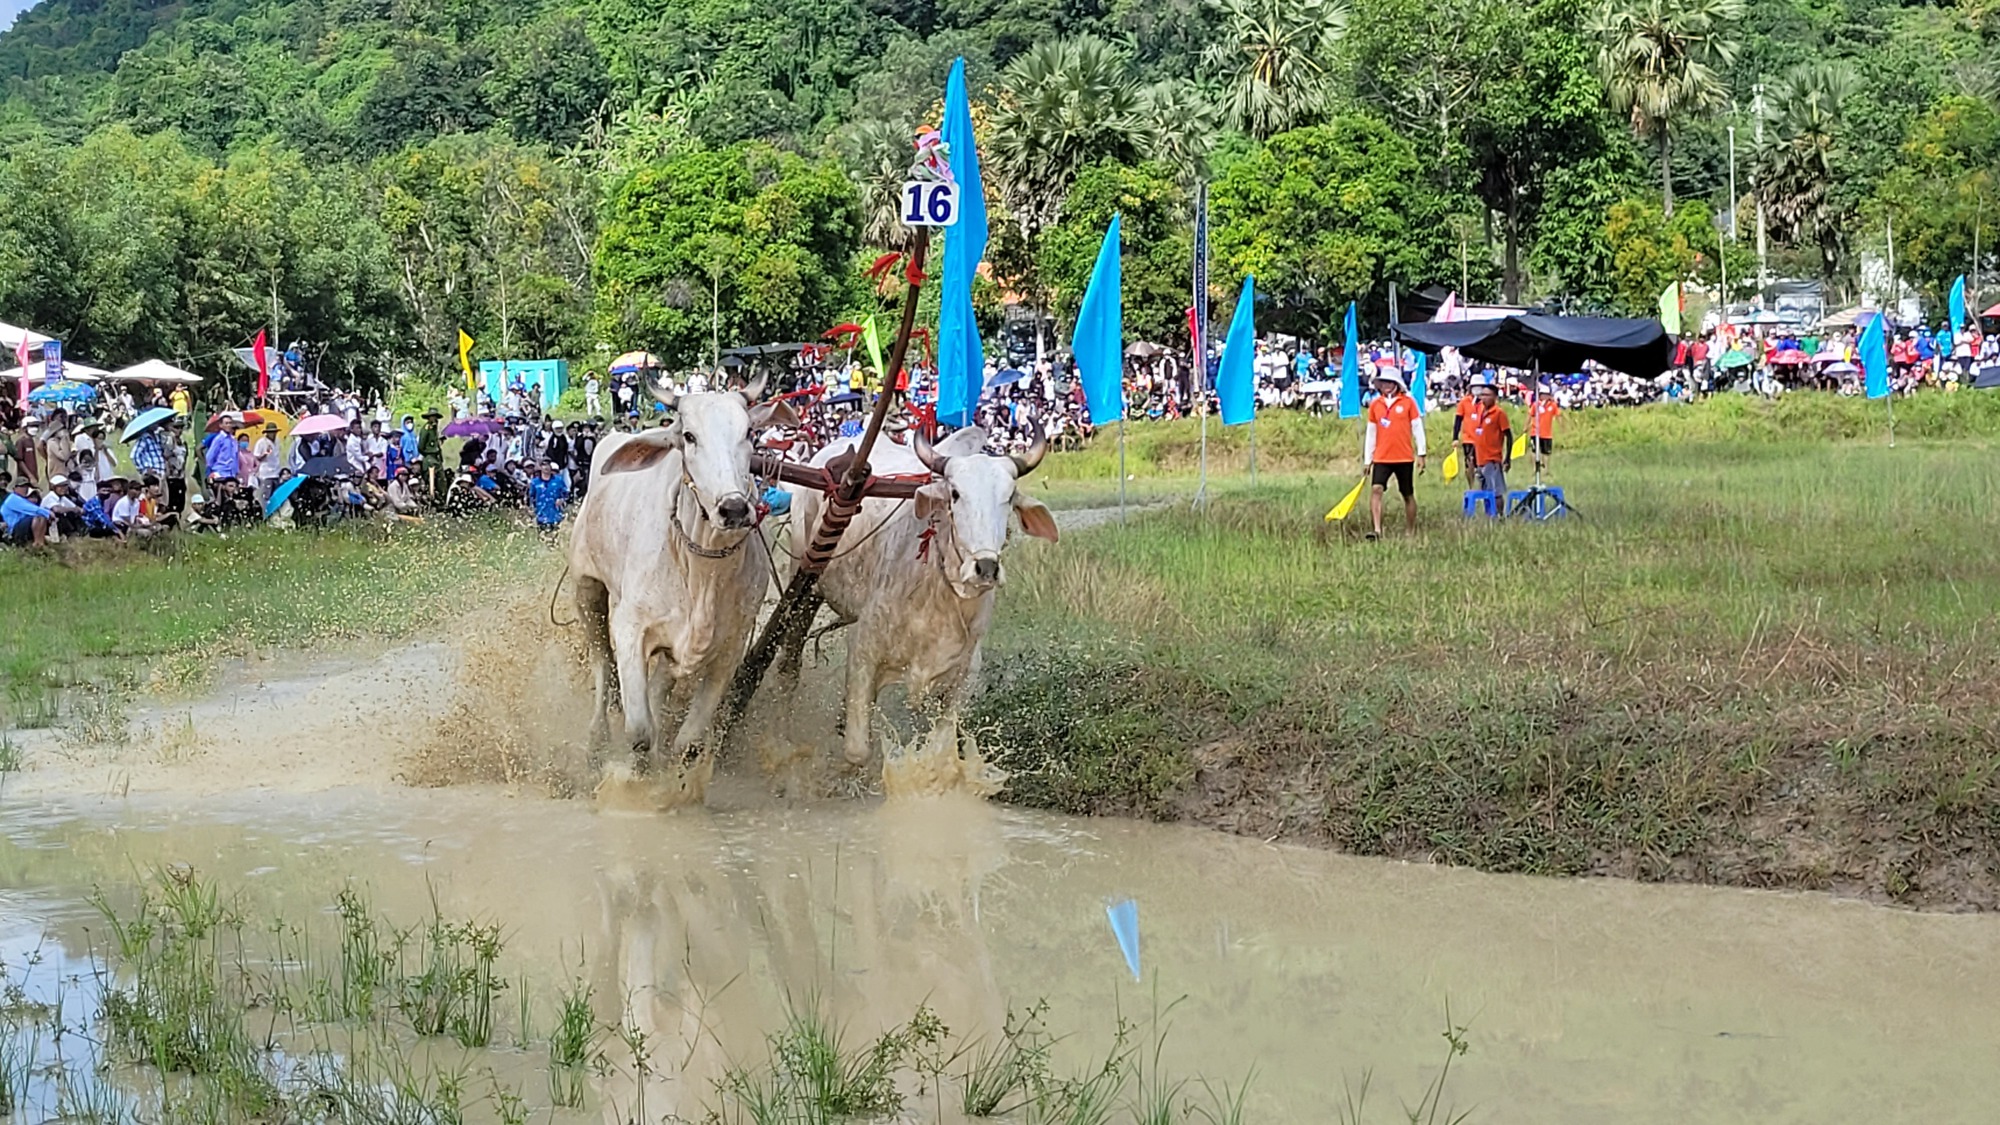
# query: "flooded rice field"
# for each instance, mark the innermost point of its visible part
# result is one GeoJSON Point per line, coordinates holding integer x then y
{"type": "Point", "coordinates": [1590, 1001]}
{"type": "Point", "coordinates": [697, 933]}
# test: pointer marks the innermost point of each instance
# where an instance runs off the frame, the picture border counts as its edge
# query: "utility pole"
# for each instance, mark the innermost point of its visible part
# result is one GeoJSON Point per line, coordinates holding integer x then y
{"type": "Point", "coordinates": [1763, 251]}
{"type": "Point", "coordinates": [1733, 197]}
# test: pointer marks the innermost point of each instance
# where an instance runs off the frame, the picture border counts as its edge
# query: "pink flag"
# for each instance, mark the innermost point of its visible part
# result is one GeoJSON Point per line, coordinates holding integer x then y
{"type": "Point", "coordinates": [1448, 311]}
{"type": "Point", "coordinates": [21, 361]}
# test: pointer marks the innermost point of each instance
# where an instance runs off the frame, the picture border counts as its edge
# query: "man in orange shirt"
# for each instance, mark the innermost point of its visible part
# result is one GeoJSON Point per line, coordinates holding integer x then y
{"type": "Point", "coordinates": [1463, 440]}
{"type": "Point", "coordinates": [1542, 413]}
{"type": "Point", "coordinates": [1492, 437]}
{"type": "Point", "coordinates": [1393, 448]}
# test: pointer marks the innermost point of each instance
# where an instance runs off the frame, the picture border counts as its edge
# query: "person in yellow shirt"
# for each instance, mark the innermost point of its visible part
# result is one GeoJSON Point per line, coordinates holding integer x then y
{"type": "Point", "coordinates": [181, 401]}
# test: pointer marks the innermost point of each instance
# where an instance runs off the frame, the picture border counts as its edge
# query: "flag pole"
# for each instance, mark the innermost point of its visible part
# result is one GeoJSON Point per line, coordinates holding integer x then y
{"type": "Point", "coordinates": [1121, 465]}
{"type": "Point", "coordinates": [1889, 374]}
{"type": "Point", "coordinates": [1198, 331]}
{"type": "Point", "coordinates": [1253, 442]}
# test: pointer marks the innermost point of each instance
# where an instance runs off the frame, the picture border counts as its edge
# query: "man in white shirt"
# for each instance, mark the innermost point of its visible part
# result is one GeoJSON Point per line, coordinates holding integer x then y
{"type": "Point", "coordinates": [378, 454]}
{"type": "Point", "coordinates": [590, 389]}
{"type": "Point", "coordinates": [357, 453]}
{"type": "Point", "coordinates": [269, 464]}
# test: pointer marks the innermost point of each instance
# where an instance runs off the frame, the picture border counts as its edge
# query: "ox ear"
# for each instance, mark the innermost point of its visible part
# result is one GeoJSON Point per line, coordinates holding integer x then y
{"type": "Point", "coordinates": [933, 500]}
{"type": "Point", "coordinates": [777, 412]}
{"type": "Point", "coordinates": [1035, 517]}
{"type": "Point", "coordinates": [643, 451]}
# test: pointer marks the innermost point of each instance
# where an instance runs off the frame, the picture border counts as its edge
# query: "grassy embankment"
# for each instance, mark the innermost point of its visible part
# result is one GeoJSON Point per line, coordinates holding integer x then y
{"type": "Point", "coordinates": [108, 615]}
{"type": "Point", "coordinates": [1767, 660]}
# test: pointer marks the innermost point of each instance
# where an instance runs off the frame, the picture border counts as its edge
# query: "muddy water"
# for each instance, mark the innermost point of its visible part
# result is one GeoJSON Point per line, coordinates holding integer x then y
{"type": "Point", "coordinates": [1586, 1001]}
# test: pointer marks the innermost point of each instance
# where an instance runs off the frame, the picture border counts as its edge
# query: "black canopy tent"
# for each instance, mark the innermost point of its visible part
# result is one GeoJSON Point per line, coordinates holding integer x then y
{"type": "Point", "coordinates": [1530, 341]}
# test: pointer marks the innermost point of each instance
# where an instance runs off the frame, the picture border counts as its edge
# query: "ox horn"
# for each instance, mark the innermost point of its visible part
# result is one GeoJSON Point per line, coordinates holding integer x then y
{"type": "Point", "coordinates": [920, 444]}
{"type": "Point", "coordinates": [1025, 463]}
{"type": "Point", "coordinates": [662, 391]}
{"type": "Point", "coordinates": [753, 391]}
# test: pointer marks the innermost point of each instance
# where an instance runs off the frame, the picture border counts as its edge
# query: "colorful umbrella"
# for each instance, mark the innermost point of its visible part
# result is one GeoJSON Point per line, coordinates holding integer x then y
{"type": "Point", "coordinates": [319, 424]}
{"type": "Point", "coordinates": [1788, 357]}
{"type": "Point", "coordinates": [146, 420]}
{"type": "Point", "coordinates": [62, 392]}
{"type": "Point", "coordinates": [1733, 360]}
{"type": "Point", "coordinates": [633, 361]}
{"type": "Point", "coordinates": [281, 494]}
{"type": "Point", "coordinates": [473, 427]}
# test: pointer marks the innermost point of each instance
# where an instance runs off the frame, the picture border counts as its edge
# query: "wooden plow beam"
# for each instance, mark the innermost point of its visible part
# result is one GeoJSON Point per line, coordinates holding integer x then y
{"type": "Point", "coordinates": [846, 482]}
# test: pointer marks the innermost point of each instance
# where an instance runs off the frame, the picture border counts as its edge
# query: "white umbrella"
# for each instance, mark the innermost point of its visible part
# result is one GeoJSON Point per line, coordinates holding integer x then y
{"type": "Point", "coordinates": [12, 335]}
{"type": "Point", "coordinates": [154, 371]}
{"type": "Point", "coordinates": [38, 372]}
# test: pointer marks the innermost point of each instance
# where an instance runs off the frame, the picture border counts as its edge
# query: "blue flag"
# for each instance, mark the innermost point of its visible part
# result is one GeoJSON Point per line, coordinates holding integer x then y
{"type": "Point", "coordinates": [1124, 916]}
{"type": "Point", "coordinates": [1236, 381]}
{"type": "Point", "coordinates": [961, 361]}
{"type": "Point", "coordinates": [1875, 359]}
{"type": "Point", "coordinates": [1418, 378]}
{"type": "Point", "coordinates": [1350, 370]}
{"type": "Point", "coordinates": [1099, 339]}
{"type": "Point", "coordinates": [1958, 304]}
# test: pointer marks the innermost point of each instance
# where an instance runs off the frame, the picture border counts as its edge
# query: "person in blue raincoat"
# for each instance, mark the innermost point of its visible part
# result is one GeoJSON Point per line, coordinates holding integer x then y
{"type": "Point", "coordinates": [548, 495]}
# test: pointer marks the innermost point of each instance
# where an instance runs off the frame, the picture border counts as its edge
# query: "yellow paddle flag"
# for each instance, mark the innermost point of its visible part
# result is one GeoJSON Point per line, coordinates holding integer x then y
{"type": "Point", "coordinates": [1451, 466]}
{"type": "Point", "coordinates": [464, 362]}
{"type": "Point", "coordinates": [1520, 446]}
{"type": "Point", "coordinates": [1347, 502]}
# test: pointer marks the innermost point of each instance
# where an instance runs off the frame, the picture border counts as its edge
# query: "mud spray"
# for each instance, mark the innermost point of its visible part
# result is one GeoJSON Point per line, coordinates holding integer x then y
{"type": "Point", "coordinates": [517, 712]}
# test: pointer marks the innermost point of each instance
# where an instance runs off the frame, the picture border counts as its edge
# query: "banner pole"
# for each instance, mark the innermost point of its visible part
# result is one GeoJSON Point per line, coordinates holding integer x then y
{"type": "Point", "coordinates": [1253, 448]}
{"type": "Point", "coordinates": [1121, 467]}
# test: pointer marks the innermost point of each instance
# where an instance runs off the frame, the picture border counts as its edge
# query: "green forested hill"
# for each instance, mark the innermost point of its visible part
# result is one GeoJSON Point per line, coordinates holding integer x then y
{"type": "Point", "coordinates": [375, 174]}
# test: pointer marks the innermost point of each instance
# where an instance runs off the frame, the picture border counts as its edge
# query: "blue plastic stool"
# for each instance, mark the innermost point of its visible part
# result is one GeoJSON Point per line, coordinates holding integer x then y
{"type": "Point", "coordinates": [1481, 498]}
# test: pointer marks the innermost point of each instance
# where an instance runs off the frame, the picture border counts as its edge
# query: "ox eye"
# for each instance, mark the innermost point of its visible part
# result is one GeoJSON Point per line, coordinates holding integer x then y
{"type": "Point", "coordinates": [688, 438]}
{"type": "Point", "coordinates": [954, 494]}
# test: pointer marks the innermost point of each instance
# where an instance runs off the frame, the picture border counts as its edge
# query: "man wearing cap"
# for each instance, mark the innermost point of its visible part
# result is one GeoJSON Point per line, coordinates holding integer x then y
{"type": "Point", "coordinates": [56, 445]}
{"type": "Point", "coordinates": [269, 464]}
{"type": "Point", "coordinates": [1542, 411]}
{"type": "Point", "coordinates": [401, 499]}
{"type": "Point", "coordinates": [1492, 437]}
{"type": "Point", "coordinates": [27, 522]}
{"type": "Point", "coordinates": [1393, 447]}
{"type": "Point", "coordinates": [62, 501]}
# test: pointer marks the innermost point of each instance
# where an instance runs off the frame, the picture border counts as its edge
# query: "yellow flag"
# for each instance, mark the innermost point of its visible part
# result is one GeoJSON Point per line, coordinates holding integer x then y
{"type": "Point", "coordinates": [1451, 466]}
{"type": "Point", "coordinates": [1520, 446]}
{"type": "Point", "coordinates": [464, 360]}
{"type": "Point", "coordinates": [1347, 502]}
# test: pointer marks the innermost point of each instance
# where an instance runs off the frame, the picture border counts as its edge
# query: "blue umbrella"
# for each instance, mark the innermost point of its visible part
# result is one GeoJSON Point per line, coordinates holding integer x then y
{"type": "Point", "coordinates": [146, 420]}
{"type": "Point", "coordinates": [64, 393]}
{"type": "Point", "coordinates": [1004, 378]}
{"type": "Point", "coordinates": [281, 494]}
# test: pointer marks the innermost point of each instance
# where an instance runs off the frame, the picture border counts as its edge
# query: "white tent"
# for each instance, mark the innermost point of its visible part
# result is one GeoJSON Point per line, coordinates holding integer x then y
{"type": "Point", "coordinates": [38, 373]}
{"type": "Point", "coordinates": [11, 336]}
{"type": "Point", "coordinates": [154, 371]}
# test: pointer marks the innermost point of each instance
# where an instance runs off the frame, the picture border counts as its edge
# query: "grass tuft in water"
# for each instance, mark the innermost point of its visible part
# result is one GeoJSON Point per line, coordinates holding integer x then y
{"type": "Point", "coordinates": [453, 991]}
{"type": "Point", "coordinates": [571, 1045]}
{"type": "Point", "coordinates": [999, 1078]}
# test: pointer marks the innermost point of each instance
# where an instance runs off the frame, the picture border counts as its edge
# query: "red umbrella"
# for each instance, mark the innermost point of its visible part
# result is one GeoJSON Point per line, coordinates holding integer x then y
{"type": "Point", "coordinates": [1994, 311]}
{"type": "Point", "coordinates": [1788, 356]}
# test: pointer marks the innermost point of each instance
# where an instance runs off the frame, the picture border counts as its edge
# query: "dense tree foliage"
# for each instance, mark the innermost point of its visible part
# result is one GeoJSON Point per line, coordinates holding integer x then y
{"type": "Point", "coordinates": [565, 176]}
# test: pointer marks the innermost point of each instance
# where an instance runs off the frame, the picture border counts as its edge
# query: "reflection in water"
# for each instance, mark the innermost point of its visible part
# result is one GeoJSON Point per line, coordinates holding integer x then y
{"type": "Point", "coordinates": [1587, 1001]}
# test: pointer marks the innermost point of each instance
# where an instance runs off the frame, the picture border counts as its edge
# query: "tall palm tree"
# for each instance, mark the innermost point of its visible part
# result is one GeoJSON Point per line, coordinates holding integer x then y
{"type": "Point", "coordinates": [1180, 123]}
{"type": "Point", "coordinates": [878, 155]}
{"type": "Point", "coordinates": [1062, 107]}
{"type": "Point", "coordinates": [1799, 168]}
{"type": "Point", "coordinates": [1659, 61]}
{"type": "Point", "coordinates": [1276, 55]}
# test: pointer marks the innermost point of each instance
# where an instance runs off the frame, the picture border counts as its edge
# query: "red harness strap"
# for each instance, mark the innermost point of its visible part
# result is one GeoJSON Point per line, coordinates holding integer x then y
{"type": "Point", "coordinates": [924, 542]}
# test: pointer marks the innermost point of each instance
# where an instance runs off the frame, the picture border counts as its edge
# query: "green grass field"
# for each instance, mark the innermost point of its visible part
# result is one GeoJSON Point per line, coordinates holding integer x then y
{"type": "Point", "coordinates": [1758, 661]}
{"type": "Point", "coordinates": [99, 614]}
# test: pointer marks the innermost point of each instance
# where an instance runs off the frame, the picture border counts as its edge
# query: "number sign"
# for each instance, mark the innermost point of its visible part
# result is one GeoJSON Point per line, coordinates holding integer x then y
{"type": "Point", "coordinates": [930, 204]}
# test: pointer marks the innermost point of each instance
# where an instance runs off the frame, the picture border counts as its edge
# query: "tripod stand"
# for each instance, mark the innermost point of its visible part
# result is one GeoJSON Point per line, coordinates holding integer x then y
{"type": "Point", "coordinates": [1540, 502]}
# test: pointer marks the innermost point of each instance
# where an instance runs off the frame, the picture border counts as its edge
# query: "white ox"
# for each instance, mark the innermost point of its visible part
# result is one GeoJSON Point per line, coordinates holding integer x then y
{"type": "Point", "coordinates": [669, 568]}
{"type": "Point", "coordinates": [916, 579]}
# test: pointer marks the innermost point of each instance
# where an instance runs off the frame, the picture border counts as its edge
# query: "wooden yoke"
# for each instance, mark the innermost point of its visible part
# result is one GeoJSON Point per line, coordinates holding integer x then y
{"type": "Point", "coordinates": [801, 599]}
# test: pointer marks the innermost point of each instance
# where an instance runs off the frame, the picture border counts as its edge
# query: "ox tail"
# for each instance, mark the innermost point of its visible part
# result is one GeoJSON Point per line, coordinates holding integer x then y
{"type": "Point", "coordinates": [553, 592]}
